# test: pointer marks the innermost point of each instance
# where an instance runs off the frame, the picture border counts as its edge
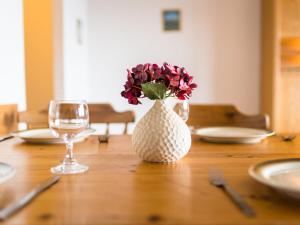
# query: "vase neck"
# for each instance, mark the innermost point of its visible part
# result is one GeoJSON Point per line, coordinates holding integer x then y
{"type": "Point", "coordinates": [161, 103]}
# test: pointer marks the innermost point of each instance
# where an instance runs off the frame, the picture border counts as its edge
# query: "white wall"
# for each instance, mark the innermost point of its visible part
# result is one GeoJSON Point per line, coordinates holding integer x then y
{"type": "Point", "coordinates": [237, 54]}
{"type": "Point", "coordinates": [219, 44]}
{"type": "Point", "coordinates": [74, 56]}
{"type": "Point", "coordinates": [12, 71]}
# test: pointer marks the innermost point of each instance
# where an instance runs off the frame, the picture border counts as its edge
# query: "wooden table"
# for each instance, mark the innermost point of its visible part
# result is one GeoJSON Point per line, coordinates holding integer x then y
{"type": "Point", "coordinates": [121, 189]}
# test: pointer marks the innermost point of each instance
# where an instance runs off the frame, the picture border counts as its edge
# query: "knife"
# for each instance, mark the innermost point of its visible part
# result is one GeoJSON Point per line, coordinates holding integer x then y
{"type": "Point", "coordinates": [19, 204]}
{"type": "Point", "coordinates": [3, 138]}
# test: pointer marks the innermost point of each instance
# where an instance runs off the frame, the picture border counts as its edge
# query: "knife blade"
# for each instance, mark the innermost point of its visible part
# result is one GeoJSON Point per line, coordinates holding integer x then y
{"type": "Point", "coordinates": [3, 138]}
{"type": "Point", "coordinates": [19, 204]}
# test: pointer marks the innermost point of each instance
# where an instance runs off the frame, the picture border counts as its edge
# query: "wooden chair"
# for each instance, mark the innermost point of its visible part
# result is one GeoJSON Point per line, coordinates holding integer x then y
{"type": "Point", "coordinates": [105, 113]}
{"type": "Point", "coordinates": [99, 113]}
{"type": "Point", "coordinates": [34, 119]}
{"type": "Point", "coordinates": [223, 115]}
{"type": "Point", "coordinates": [8, 118]}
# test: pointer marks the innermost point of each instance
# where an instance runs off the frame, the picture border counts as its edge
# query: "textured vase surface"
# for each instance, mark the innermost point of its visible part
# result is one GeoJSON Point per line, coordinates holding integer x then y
{"type": "Point", "coordinates": [161, 135]}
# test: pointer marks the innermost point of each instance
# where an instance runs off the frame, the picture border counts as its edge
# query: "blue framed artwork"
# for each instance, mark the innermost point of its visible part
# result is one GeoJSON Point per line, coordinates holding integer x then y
{"type": "Point", "coordinates": [171, 20]}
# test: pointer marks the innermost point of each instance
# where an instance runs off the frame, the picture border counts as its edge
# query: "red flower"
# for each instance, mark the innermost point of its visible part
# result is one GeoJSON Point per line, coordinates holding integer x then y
{"type": "Point", "coordinates": [177, 80]}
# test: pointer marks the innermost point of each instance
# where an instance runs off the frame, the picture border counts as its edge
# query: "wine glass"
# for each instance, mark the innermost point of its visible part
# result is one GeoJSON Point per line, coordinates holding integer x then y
{"type": "Point", "coordinates": [67, 120]}
{"type": "Point", "coordinates": [183, 109]}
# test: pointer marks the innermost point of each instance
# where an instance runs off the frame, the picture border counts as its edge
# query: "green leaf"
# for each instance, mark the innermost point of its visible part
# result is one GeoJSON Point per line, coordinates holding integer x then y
{"type": "Point", "coordinates": [154, 90]}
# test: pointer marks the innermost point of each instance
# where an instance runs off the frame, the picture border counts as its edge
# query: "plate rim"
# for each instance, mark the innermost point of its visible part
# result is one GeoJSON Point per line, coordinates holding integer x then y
{"type": "Point", "coordinates": [17, 133]}
{"type": "Point", "coordinates": [50, 140]}
{"type": "Point", "coordinates": [278, 186]}
{"type": "Point", "coordinates": [268, 133]}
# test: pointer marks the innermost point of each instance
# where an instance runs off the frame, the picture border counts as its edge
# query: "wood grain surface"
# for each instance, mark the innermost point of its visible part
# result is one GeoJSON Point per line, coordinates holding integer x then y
{"type": "Point", "coordinates": [121, 189]}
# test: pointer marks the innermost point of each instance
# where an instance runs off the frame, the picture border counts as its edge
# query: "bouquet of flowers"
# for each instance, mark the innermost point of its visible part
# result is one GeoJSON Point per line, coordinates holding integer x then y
{"type": "Point", "coordinates": [157, 82]}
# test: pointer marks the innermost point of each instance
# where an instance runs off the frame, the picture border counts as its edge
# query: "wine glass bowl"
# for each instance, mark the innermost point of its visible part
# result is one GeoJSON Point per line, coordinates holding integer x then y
{"type": "Point", "coordinates": [67, 120]}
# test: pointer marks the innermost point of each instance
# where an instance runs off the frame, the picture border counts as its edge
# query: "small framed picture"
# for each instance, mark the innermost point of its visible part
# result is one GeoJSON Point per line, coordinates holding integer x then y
{"type": "Point", "coordinates": [171, 20]}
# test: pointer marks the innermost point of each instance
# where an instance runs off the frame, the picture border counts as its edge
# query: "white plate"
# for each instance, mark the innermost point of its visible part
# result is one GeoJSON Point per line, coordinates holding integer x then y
{"type": "Point", "coordinates": [45, 136]}
{"type": "Point", "coordinates": [237, 135]}
{"type": "Point", "coordinates": [282, 175]}
{"type": "Point", "coordinates": [6, 172]}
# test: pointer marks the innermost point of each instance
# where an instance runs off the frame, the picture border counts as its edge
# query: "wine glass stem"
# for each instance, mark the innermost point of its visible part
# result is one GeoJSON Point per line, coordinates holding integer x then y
{"type": "Point", "coordinates": [69, 158]}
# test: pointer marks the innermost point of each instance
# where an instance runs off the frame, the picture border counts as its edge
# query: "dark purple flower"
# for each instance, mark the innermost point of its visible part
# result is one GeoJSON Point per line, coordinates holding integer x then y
{"type": "Point", "coordinates": [177, 80]}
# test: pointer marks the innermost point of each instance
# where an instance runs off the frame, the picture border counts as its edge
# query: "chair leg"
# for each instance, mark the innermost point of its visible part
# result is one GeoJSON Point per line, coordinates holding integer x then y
{"type": "Point", "coordinates": [107, 129]}
{"type": "Point", "coordinates": [125, 128]}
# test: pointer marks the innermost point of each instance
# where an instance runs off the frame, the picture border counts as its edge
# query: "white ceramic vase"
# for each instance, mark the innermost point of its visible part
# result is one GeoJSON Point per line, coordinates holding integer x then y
{"type": "Point", "coordinates": [161, 135]}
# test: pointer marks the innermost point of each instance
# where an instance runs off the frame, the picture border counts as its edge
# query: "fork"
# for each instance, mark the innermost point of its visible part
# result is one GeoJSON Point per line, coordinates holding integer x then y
{"type": "Point", "coordinates": [104, 138]}
{"type": "Point", "coordinates": [216, 178]}
{"type": "Point", "coordinates": [289, 137]}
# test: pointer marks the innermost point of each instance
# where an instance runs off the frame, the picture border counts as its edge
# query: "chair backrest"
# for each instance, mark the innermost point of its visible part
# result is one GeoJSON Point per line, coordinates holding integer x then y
{"type": "Point", "coordinates": [223, 115]}
{"type": "Point", "coordinates": [105, 113]}
{"type": "Point", "coordinates": [8, 118]}
{"type": "Point", "coordinates": [99, 113]}
{"type": "Point", "coordinates": [34, 119]}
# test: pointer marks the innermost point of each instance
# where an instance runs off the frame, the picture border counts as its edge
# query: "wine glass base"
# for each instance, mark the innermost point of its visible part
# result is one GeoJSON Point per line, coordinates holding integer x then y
{"type": "Point", "coordinates": [69, 168]}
